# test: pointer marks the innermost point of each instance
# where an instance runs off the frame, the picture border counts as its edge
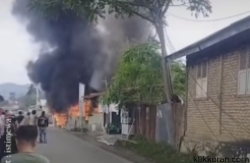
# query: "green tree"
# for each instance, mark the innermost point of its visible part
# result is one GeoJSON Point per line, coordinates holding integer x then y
{"type": "Point", "coordinates": [138, 80]}
{"type": "Point", "coordinates": [31, 90]}
{"type": "Point", "coordinates": [151, 10]}
{"type": "Point", "coordinates": [178, 72]}
{"type": "Point", "coordinates": [29, 99]}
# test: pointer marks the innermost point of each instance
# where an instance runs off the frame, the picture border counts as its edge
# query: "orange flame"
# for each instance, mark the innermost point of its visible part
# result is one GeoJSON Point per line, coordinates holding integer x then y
{"type": "Point", "coordinates": [74, 111]}
{"type": "Point", "coordinates": [61, 119]}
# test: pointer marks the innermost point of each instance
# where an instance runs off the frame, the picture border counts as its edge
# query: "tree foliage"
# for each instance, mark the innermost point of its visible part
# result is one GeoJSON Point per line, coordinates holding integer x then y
{"type": "Point", "coordinates": [31, 90]}
{"type": "Point", "coordinates": [29, 99]}
{"type": "Point", "coordinates": [178, 72]}
{"type": "Point", "coordinates": [150, 10]}
{"type": "Point", "coordinates": [139, 78]}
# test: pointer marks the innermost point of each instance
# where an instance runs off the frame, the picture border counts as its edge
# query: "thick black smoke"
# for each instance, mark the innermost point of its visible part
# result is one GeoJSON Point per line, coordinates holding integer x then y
{"type": "Point", "coordinates": [73, 51]}
{"type": "Point", "coordinates": [72, 61]}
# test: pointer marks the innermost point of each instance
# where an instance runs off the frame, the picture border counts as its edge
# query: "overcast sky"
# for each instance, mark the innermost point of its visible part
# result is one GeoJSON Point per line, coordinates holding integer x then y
{"type": "Point", "coordinates": [16, 47]}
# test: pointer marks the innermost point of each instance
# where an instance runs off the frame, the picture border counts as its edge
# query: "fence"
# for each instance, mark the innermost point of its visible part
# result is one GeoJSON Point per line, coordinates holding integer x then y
{"type": "Point", "coordinates": [145, 122]}
{"type": "Point", "coordinates": [170, 123]}
{"type": "Point", "coordinates": [179, 121]}
{"type": "Point", "coordinates": [164, 124]}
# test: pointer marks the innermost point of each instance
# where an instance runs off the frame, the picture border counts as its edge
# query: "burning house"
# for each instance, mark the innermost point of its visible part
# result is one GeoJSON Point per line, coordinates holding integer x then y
{"type": "Point", "coordinates": [93, 114]}
{"type": "Point", "coordinates": [60, 119]}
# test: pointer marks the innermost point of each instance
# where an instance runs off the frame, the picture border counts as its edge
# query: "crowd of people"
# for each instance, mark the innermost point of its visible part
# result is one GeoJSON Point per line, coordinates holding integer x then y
{"type": "Point", "coordinates": [18, 137]}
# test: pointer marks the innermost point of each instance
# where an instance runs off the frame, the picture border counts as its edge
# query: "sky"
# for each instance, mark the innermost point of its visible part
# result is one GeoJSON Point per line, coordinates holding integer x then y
{"type": "Point", "coordinates": [17, 48]}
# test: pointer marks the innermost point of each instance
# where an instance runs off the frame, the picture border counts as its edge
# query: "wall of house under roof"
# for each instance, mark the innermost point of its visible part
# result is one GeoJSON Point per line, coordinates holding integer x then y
{"type": "Point", "coordinates": [207, 122]}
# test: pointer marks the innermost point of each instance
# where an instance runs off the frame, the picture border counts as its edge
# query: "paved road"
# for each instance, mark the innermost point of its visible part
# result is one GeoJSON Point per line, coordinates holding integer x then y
{"type": "Point", "coordinates": [63, 147]}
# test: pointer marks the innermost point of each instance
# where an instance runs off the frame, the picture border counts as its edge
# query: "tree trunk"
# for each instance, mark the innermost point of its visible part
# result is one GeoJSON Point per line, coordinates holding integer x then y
{"type": "Point", "coordinates": [165, 65]}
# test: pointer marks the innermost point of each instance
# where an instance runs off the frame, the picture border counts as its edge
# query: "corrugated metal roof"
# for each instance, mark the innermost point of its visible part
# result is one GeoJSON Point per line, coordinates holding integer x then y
{"type": "Point", "coordinates": [92, 95]}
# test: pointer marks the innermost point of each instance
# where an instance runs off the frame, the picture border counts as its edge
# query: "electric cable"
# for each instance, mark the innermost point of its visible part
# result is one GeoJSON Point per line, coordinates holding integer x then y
{"type": "Point", "coordinates": [211, 20]}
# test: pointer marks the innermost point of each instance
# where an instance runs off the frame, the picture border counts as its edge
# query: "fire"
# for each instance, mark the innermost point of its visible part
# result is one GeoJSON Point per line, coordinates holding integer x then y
{"type": "Point", "coordinates": [89, 109]}
{"type": "Point", "coordinates": [61, 119]}
{"type": "Point", "coordinates": [74, 111]}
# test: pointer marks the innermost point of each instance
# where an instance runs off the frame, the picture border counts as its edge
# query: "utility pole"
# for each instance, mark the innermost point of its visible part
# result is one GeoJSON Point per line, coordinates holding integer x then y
{"type": "Point", "coordinates": [106, 86]}
{"type": "Point", "coordinates": [81, 102]}
{"type": "Point", "coordinates": [106, 83]}
{"type": "Point", "coordinates": [37, 97]}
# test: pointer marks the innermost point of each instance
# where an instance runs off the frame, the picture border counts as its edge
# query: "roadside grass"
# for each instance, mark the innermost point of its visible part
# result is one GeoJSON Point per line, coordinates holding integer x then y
{"type": "Point", "coordinates": [155, 152]}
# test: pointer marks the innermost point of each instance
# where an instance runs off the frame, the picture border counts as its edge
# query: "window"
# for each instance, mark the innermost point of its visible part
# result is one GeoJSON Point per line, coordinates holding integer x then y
{"type": "Point", "coordinates": [201, 78]}
{"type": "Point", "coordinates": [244, 73]}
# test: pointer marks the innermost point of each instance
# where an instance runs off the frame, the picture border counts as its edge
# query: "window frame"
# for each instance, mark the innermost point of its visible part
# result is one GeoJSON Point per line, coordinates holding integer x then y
{"type": "Point", "coordinates": [247, 71]}
{"type": "Point", "coordinates": [203, 94]}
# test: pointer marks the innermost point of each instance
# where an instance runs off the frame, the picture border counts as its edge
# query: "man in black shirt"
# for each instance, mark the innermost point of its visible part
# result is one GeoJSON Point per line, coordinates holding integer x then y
{"type": "Point", "coordinates": [43, 123]}
{"type": "Point", "coordinates": [19, 118]}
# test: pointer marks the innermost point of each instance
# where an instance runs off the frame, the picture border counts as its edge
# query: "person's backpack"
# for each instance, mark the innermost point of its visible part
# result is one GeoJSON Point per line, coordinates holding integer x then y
{"type": "Point", "coordinates": [42, 121]}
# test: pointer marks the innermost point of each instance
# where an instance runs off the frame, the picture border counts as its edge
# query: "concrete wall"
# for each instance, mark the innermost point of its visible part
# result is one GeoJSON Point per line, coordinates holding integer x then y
{"type": "Point", "coordinates": [96, 122]}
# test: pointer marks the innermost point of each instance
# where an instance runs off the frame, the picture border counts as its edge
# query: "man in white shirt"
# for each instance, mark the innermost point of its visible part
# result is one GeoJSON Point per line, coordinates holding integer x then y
{"type": "Point", "coordinates": [33, 118]}
{"type": "Point", "coordinates": [26, 120]}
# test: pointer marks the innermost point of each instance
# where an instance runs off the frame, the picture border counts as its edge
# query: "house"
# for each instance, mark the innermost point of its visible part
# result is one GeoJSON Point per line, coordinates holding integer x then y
{"type": "Point", "coordinates": [93, 114]}
{"type": "Point", "coordinates": [218, 90]}
{"type": "Point", "coordinates": [91, 117]}
{"type": "Point", "coordinates": [74, 118]}
{"type": "Point", "coordinates": [111, 115]}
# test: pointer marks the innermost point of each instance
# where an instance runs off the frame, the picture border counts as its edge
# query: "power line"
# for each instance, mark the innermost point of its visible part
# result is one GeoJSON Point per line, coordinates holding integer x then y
{"type": "Point", "coordinates": [168, 41]}
{"type": "Point", "coordinates": [211, 20]}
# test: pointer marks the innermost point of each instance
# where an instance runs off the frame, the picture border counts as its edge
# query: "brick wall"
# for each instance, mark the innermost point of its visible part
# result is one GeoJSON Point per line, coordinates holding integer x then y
{"type": "Point", "coordinates": [203, 115]}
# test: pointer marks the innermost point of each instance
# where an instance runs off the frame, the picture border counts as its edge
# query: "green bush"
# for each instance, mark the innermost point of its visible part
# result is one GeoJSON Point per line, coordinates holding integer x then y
{"type": "Point", "coordinates": [157, 152]}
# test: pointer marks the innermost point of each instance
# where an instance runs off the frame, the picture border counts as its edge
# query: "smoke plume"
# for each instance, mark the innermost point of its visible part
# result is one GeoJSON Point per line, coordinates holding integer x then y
{"type": "Point", "coordinates": [75, 51]}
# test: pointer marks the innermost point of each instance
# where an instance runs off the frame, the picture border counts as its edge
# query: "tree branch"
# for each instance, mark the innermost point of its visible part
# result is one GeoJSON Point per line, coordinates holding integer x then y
{"type": "Point", "coordinates": [164, 10]}
{"type": "Point", "coordinates": [132, 4]}
{"type": "Point", "coordinates": [46, 2]}
{"type": "Point", "coordinates": [178, 5]}
{"type": "Point", "coordinates": [129, 9]}
{"type": "Point", "coordinates": [142, 16]}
